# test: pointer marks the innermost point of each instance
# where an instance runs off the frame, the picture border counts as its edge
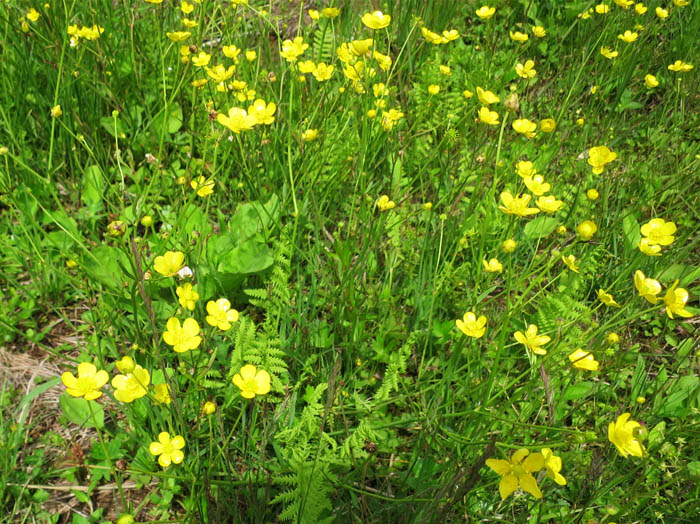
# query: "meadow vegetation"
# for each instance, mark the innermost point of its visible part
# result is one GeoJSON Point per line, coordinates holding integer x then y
{"type": "Point", "coordinates": [409, 262]}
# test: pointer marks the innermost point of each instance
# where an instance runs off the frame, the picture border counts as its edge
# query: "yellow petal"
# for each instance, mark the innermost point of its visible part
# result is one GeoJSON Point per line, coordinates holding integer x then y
{"type": "Point", "coordinates": [529, 484]}
{"type": "Point", "coordinates": [508, 484]}
{"type": "Point", "coordinates": [502, 467]}
{"type": "Point", "coordinates": [248, 371]}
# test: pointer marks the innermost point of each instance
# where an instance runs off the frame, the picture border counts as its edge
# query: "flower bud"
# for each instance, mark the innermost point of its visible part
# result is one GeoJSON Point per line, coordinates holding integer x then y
{"type": "Point", "coordinates": [512, 103]}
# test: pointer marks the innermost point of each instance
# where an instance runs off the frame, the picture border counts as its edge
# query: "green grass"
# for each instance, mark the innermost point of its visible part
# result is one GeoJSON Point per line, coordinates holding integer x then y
{"type": "Point", "coordinates": [380, 408]}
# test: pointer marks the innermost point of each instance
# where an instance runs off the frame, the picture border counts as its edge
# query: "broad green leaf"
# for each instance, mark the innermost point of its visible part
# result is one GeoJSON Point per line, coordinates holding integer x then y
{"type": "Point", "coordinates": [171, 121]}
{"type": "Point", "coordinates": [77, 411]}
{"type": "Point", "coordinates": [92, 189]}
{"type": "Point", "coordinates": [540, 227]}
{"type": "Point", "coordinates": [630, 227]}
{"type": "Point", "coordinates": [577, 391]}
{"type": "Point", "coordinates": [103, 265]}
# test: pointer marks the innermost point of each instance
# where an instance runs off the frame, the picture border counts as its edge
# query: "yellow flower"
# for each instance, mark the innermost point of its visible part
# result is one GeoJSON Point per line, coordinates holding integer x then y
{"type": "Point", "coordinates": [263, 113]}
{"type": "Point", "coordinates": [314, 14]}
{"type": "Point", "coordinates": [517, 205]}
{"type": "Point", "coordinates": [581, 359]}
{"type": "Point", "coordinates": [570, 262]}
{"type": "Point", "coordinates": [219, 73]}
{"type": "Point", "coordinates": [220, 314]}
{"type": "Point", "coordinates": [526, 70]}
{"type": "Point", "coordinates": [307, 66]}
{"type": "Point", "coordinates": [376, 20]}
{"type": "Point", "coordinates": [658, 231]}
{"type": "Point", "coordinates": [385, 204]}
{"type": "Point", "coordinates": [293, 49]}
{"type": "Point", "coordinates": [651, 81]}
{"type": "Point", "coordinates": [649, 249]}
{"type": "Point", "coordinates": [168, 450]}
{"type": "Point", "coordinates": [661, 12]}
{"type": "Point", "coordinates": [623, 433]}
{"type": "Point", "coordinates": [126, 364]}
{"type": "Point", "coordinates": [309, 135]}
{"type": "Point", "coordinates": [598, 157]}
{"type": "Point", "coordinates": [323, 72]}
{"type": "Point", "coordinates": [525, 169]}
{"type": "Point", "coordinates": [472, 326]}
{"type": "Point", "coordinates": [612, 338]}
{"type": "Point", "coordinates": [131, 386]}
{"type": "Point", "coordinates": [647, 288]}
{"type": "Point", "coordinates": [251, 55]}
{"type": "Point", "coordinates": [32, 15]}
{"type": "Point", "coordinates": [186, 8]}
{"type": "Point", "coordinates": [539, 32]}
{"type": "Point", "coordinates": [433, 89]}
{"type": "Point", "coordinates": [553, 465]}
{"type": "Point", "coordinates": [450, 34]}
{"type": "Point", "coordinates": [492, 266]}
{"type": "Point", "coordinates": [182, 338]}
{"type": "Point", "coordinates": [467, 94]}
{"type": "Point", "coordinates": [517, 36]}
{"type": "Point", "coordinates": [178, 36]}
{"type": "Point", "coordinates": [608, 53]}
{"type": "Point", "coordinates": [116, 228]}
{"type": "Point", "coordinates": [201, 59]}
{"type": "Point", "coordinates": [531, 340]}
{"type": "Point", "coordinates": [517, 473]}
{"type": "Point", "coordinates": [675, 300]}
{"type": "Point", "coordinates": [549, 204]}
{"type": "Point", "coordinates": [154, 1]}
{"type": "Point", "coordinates": [252, 381]}
{"type": "Point", "coordinates": [537, 185]}
{"type": "Point", "coordinates": [209, 408]}
{"type": "Point", "coordinates": [330, 12]}
{"type": "Point", "coordinates": [389, 118]}
{"type": "Point", "coordinates": [525, 127]}
{"type": "Point", "coordinates": [202, 186]}
{"type": "Point", "coordinates": [548, 125]}
{"type": "Point", "coordinates": [586, 229]}
{"type": "Point", "coordinates": [161, 394]}
{"type": "Point", "coordinates": [237, 120]}
{"type": "Point", "coordinates": [624, 4]}
{"type": "Point", "coordinates": [602, 9]}
{"type": "Point", "coordinates": [681, 3]}
{"type": "Point", "coordinates": [640, 9]}
{"type": "Point", "coordinates": [628, 36]}
{"type": "Point", "coordinates": [187, 296]}
{"type": "Point", "coordinates": [87, 384]}
{"type": "Point", "coordinates": [592, 194]}
{"type": "Point", "coordinates": [384, 61]}
{"type": "Point", "coordinates": [607, 298]}
{"type": "Point", "coordinates": [56, 111]}
{"type": "Point", "coordinates": [486, 116]}
{"type": "Point", "coordinates": [189, 23]}
{"type": "Point", "coordinates": [680, 67]}
{"type": "Point", "coordinates": [232, 52]}
{"type": "Point", "coordinates": [432, 38]}
{"type": "Point", "coordinates": [486, 97]}
{"type": "Point", "coordinates": [485, 12]}
{"type": "Point", "coordinates": [169, 263]}
{"type": "Point", "coordinates": [509, 245]}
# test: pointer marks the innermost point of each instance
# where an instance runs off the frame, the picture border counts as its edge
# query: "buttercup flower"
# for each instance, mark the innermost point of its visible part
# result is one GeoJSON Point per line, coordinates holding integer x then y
{"type": "Point", "coordinates": [384, 203]}
{"type": "Point", "coordinates": [472, 326]}
{"type": "Point", "coordinates": [187, 296]}
{"type": "Point", "coordinates": [433, 89]}
{"type": "Point", "coordinates": [599, 157]}
{"type": "Point", "coordinates": [525, 169]}
{"type": "Point", "coordinates": [537, 185]}
{"type": "Point", "coordinates": [586, 229]}
{"type": "Point", "coordinates": [431, 37]}
{"type": "Point", "coordinates": [170, 263]}
{"type": "Point", "coordinates": [531, 340]}
{"type": "Point", "coordinates": [646, 247]}
{"type": "Point", "coordinates": [132, 385]}
{"type": "Point", "coordinates": [486, 116]}
{"type": "Point", "coordinates": [661, 12]}
{"type": "Point", "coordinates": [178, 36]}
{"type": "Point", "coordinates": [485, 12]}
{"type": "Point", "coordinates": [126, 364]}
{"type": "Point", "coordinates": [202, 59]}
{"type": "Point", "coordinates": [509, 245]}
{"type": "Point", "coordinates": [209, 408]}
{"type": "Point", "coordinates": [293, 49]}
{"type": "Point", "coordinates": [56, 111]}
{"type": "Point", "coordinates": [624, 4]}
{"type": "Point", "coordinates": [592, 194]}
{"type": "Point", "coordinates": [517, 36]}
{"type": "Point", "coordinates": [650, 81]}
{"type": "Point", "coordinates": [628, 36]}
{"type": "Point", "coordinates": [549, 204]}
{"type": "Point", "coordinates": [680, 67]}
{"type": "Point", "coordinates": [612, 338]}
{"type": "Point", "coordinates": [219, 73]}
{"type": "Point", "coordinates": [252, 381]}
{"type": "Point", "coordinates": [647, 288]}
{"type": "Point", "coordinates": [263, 112]}
{"type": "Point", "coordinates": [640, 8]}
{"type": "Point", "coordinates": [309, 135]}
{"type": "Point", "coordinates": [517, 473]}
{"type": "Point", "coordinates": [608, 53]}
{"type": "Point", "coordinates": [602, 9]}
{"type": "Point", "coordinates": [486, 97]}
{"type": "Point", "coordinates": [492, 266]}
{"type": "Point", "coordinates": [658, 231]}
{"type": "Point", "coordinates": [220, 314]}
{"type": "Point", "coordinates": [376, 20]}
{"type": "Point", "coordinates": [607, 298]}
{"type": "Point", "coordinates": [548, 125]}
{"type": "Point", "coordinates": [525, 127]}
{"type": "Point", "coordinates": [88, 383]}
{"type": "Point", "coordinates": [450, 34]}
{"type": "Point", "coordinates": [623, 433]}
{"type": "Point", "coordinates": [384, 61]}
{"type": "Point", "coordinates": [202, 186]}
{"type": "Point", "coordinates": [186, 7]}
{"type": "Point", "coordinates": [323, 72]}
{"type": "Point", "coordinates": [553, 465]}
{"type": "Point", "coordinates": [237, 120]}
{"type": "Point", "coordinates": [32, 15]}
{"type": "Point", "coordinates": [570, 262]}
{"type": "Point", "coordinates": [675, 300]}
{"type": "Point", "coordinates": [168, 450]}
{"type": "Point", "coordinates": [330, 12]}
{"type": "Point", "coordinates": [581, 359]}
{"type": "Point", "coordinates": [526, 70]}
{"type": "Point", "coordinates": [182, 338]}
{"type": "Point", "coordinates": [517, 205]}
